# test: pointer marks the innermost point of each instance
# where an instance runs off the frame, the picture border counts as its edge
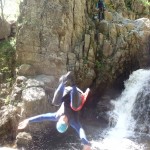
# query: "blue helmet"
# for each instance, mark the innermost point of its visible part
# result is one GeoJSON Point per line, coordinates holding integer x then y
{"type": "Point", "coordinates": [61, 126]}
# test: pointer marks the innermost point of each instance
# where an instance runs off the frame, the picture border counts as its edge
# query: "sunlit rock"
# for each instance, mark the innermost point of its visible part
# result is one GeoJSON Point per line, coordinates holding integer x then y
{"type": "Point", "coordinates": [35, 101]}
{"type": "Point", "coordinates": [26, 70]}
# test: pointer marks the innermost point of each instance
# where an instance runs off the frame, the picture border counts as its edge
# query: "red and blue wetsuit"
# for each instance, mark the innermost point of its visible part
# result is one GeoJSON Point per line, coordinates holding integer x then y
{"type": "Point", "coordinates": [73, 116]}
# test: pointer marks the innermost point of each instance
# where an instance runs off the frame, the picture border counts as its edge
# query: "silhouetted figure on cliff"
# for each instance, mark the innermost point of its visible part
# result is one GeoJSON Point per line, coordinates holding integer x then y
{"type": "Point", "coordinates": [101, 9]}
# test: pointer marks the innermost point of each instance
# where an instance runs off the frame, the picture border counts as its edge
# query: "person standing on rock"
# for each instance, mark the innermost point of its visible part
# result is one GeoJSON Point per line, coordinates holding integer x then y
{"type": "Point", "coordinates": [71, 100]}
{"type": "Point", "coordinates": [101, 9]}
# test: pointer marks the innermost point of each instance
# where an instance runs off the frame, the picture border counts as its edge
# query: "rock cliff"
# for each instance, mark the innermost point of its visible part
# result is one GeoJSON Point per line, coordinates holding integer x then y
{"type": "Point", "coordinates": [57, 36]}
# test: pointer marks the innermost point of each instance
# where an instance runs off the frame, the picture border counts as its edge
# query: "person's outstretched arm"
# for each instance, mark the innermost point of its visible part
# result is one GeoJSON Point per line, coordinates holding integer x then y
{"type": "Point", "coordinates": [77, 126]}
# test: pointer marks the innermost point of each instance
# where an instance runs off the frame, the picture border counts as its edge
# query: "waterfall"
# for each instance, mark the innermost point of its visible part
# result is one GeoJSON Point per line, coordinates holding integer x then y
{"type": "Point", "coordinates": [118, 137]}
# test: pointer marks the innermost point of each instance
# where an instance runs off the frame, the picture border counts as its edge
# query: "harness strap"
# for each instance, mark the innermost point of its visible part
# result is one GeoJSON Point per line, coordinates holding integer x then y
{"type": "Point", "coordinates": [83, 100]}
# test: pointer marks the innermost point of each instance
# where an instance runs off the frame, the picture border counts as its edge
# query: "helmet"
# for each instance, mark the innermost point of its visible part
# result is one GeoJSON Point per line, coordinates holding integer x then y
{"type": "Point", "coordinates": [61, 126]}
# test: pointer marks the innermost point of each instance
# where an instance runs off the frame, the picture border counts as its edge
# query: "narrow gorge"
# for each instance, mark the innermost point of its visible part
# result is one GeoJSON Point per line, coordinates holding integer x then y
{"type": "Point", "coordinates": [56, 36]}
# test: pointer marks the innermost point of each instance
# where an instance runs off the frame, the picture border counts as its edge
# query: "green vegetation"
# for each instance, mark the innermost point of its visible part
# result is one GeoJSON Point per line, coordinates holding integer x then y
{"type": "Point", "coordinates": [99, 64]}
{"type": "Point", "coordinates": [110, 5]}
{"type": "Point", "coordinates": [129, 3]}
{"type": "Point", "coordinates": [7, 100]}
{"type": "Point", "coordinates": [145, 2]}
{"type": "Point", "coordinates": [7, 59]}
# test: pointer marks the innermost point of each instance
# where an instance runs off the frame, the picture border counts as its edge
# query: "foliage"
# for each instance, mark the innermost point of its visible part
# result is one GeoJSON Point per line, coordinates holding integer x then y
{"type": "Point", "coordinates": [99, 65]}
{"type": "Point", "coordinates": [99, 61]}
{"type": "Point", "coordinates": [7, 58]}
{"type": "Point", "coordinates": [145, 2]}
{"type": "Point", "coordinates": [110, 5]}
{"type": "Point", "coordinates": [85, 60]}
{"type": "Point", "coordinates": [129, 2]}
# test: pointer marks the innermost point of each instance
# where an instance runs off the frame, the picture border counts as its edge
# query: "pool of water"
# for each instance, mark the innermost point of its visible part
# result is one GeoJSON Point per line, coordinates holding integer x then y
{"type": "Point", "coordinates": [97, 136]}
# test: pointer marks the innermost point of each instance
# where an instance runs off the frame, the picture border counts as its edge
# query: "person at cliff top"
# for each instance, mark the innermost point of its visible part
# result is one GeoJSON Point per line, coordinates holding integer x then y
{"type": "Point", "coordinates": [71, 100]}
{"type": "Point", "coordinates": [101, 7]}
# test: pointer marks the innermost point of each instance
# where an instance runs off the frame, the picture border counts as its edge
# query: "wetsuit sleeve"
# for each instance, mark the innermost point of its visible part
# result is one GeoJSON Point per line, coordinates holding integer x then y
{"type": "Point", "coordinates": [57, 98]}
{"type": "Point", "coordinates": [77, 126]}
{"type": "Point", "coordinates": [61, 110]}
{"type": "Point", "coordinates": [44, 117]}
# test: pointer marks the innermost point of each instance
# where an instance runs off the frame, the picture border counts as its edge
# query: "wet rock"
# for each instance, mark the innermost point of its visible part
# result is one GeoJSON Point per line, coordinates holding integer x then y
{"type": "Point", "coordinates": [8, 123]}
{"type": "Point", "coordinates": [105, 105]}
{"type": "Point", "coordinates": [23, 139]}
{"type": "Point", "coordinates": [104, 111]}
{"type": "Point", "coordinates": [141, 110]}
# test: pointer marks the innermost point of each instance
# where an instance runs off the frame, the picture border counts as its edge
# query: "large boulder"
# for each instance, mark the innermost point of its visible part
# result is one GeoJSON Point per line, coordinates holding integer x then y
{"type": "Point", "coordinates": [35, 101]}
{"type": "Point", "coordinates": [44, 39]}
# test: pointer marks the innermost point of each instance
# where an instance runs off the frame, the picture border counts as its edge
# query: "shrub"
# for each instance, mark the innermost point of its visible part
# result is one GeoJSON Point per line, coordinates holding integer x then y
{"type": "Point", "coordinates": [7, 58]}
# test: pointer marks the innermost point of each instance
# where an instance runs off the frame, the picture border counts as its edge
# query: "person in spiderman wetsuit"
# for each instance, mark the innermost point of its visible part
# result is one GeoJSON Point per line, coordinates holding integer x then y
{"type": "Point", "coordinates": [71, 100]}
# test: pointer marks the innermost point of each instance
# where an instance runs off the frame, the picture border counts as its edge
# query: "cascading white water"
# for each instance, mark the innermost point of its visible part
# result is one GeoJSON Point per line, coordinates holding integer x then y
{"type": "Point", "coordinates": [117, 137]}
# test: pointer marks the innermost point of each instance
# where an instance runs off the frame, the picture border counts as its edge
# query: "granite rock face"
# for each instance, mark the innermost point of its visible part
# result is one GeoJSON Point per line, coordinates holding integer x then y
{"type": "Point", "coordinates": [57, 36]}
{"type": "Point", "coordinates": [62, 35]}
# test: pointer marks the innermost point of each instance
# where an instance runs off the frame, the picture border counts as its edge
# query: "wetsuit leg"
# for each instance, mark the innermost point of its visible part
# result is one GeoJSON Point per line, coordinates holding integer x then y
{"type": "Point", "coordinates": [44, 117]}
{"type": "Point", "coordinates": [77, 126]}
